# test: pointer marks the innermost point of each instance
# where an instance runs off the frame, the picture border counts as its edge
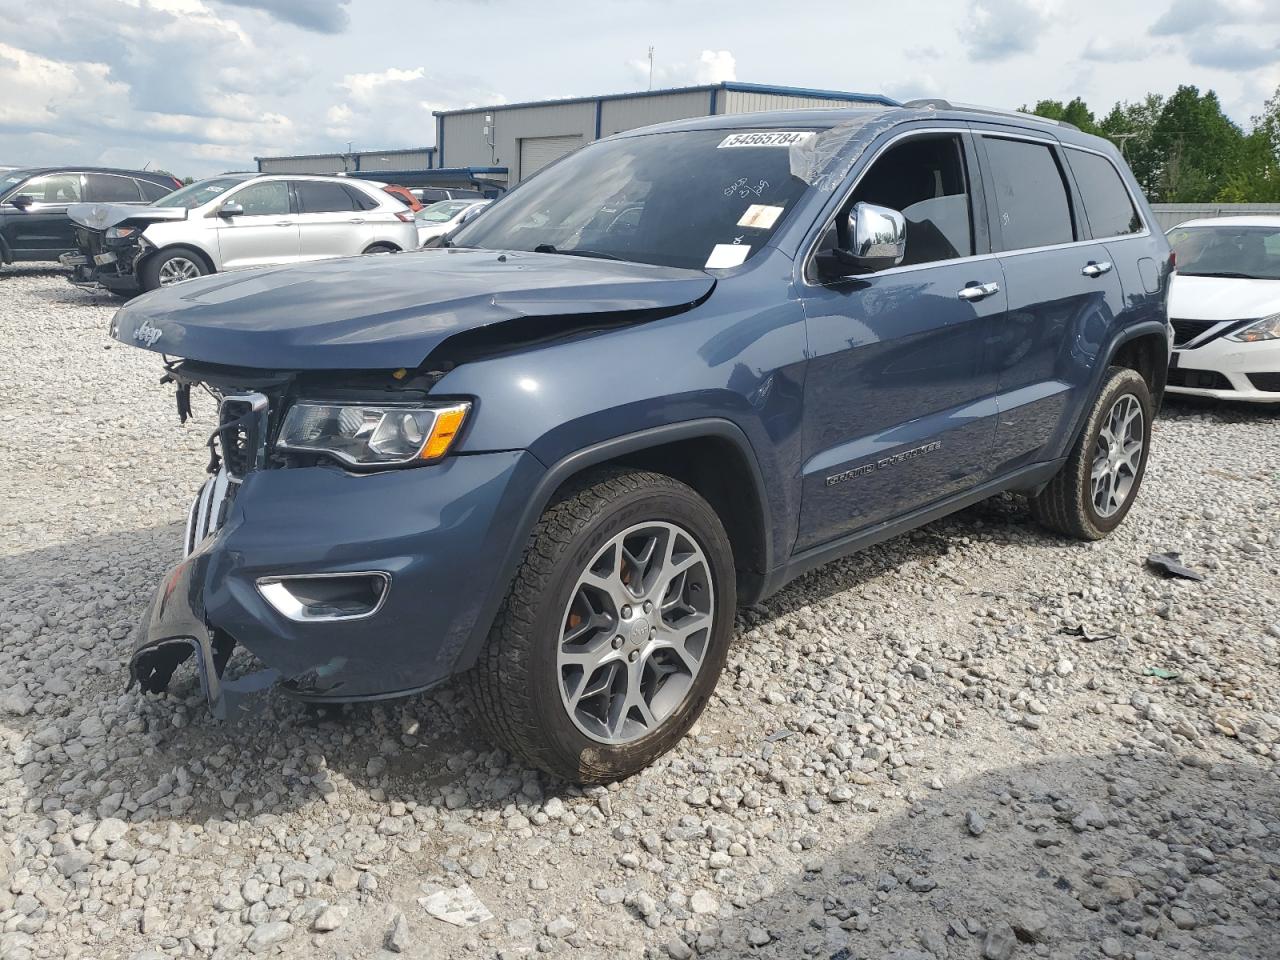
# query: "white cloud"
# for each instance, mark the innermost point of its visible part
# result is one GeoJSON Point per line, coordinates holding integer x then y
{"type": "Point", "coordinates": [393, 107]}
{"type": "Point", "coordinates": [322, 16]}
{"type": "Point", "coordinates": [716, 66]}
{"type": "Point", "coordinates": [1000, 29]}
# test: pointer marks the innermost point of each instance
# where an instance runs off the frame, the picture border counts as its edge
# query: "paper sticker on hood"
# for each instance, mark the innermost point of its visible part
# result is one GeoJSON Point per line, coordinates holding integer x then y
{"type": "Point", "coordinates": [100, 216]}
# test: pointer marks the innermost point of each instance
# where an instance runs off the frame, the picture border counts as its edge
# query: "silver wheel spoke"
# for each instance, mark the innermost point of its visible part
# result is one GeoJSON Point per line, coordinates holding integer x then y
{"type": "Point", "coordinates": [635, 632]}
{"type": "Point", "coordinates": [1117, 455]}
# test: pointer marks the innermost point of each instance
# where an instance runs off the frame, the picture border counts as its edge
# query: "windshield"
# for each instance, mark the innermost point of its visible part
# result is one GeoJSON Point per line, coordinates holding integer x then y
{"type": "Point", "coordinates": [696, 198]}
{"type": "Point", "coordinates": [11, 179]}
{"type": "Point", "coordinates": [1247, 253]}
{"type": "Point", "coordinates": [442, 211]}
{"type": "Point", "coordinates": [199, 193]}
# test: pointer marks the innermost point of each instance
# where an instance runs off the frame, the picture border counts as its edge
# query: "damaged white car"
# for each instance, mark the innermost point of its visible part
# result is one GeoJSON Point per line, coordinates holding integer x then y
{"type": "Point", "coordinates": [231, 222]}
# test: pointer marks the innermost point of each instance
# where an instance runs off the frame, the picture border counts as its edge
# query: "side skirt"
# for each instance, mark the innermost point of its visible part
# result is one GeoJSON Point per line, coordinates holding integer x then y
{"type": "Point", "coordinates": [1030, 478]}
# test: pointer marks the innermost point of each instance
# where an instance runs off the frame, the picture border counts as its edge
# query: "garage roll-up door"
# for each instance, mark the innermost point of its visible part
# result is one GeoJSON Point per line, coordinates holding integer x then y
{"type": "Point", "coordinates": [537, 152]}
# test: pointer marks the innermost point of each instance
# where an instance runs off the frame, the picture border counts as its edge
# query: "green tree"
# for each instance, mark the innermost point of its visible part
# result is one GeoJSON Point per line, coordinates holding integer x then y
{"type": "Point", "coordinates": [1256, 178]}
{"type": "Point", "coordinates": [1201, 148]}
{"type": "Point", "coordinates": [1130, 127]}
{"type": "Point", "coordinates": [1076, 113]}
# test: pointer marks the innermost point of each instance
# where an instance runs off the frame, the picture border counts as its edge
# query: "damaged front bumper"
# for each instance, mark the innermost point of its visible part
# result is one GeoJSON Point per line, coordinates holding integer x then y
{"type": "Point", "coordinates": [439, 534]}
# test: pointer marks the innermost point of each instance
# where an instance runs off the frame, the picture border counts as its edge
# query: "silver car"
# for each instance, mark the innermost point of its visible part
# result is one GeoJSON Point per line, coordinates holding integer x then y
{"type": "Point", "coordinates": [231, 222]}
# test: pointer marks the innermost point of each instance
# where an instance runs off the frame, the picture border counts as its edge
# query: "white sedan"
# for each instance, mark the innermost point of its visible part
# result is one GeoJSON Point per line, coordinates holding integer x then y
{"type": "Point", "coordinates": [444, 216]}
{"type": "Point", "coordinates": [1225, 309]}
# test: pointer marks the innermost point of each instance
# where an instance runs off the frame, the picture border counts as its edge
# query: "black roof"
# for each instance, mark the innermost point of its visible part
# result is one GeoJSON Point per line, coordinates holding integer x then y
{"type": "Point", "coordinates": [153, 176]}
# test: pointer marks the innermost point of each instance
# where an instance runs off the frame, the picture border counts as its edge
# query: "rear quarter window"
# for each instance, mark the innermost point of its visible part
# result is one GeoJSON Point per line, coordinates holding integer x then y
{"type": "Point", "coordinates": [1107, 202]}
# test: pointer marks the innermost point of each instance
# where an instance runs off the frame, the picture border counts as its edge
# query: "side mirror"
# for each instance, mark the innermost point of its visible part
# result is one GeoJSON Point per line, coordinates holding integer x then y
{"type": "Point", "coordinates": [22, 200]}
{"type": "Point", "coordinates": [877, 238]}
{"type": "Point", "coordinates": [231, 209]}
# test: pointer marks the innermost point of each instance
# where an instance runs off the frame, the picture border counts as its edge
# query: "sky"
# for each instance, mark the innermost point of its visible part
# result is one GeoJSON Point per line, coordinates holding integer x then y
{"type": "Point", "coordinates": [202, 86]}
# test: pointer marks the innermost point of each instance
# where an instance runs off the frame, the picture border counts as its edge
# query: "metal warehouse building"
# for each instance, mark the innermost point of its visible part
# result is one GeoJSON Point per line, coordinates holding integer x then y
{"type": "Point", "coordinates": [500, 145]}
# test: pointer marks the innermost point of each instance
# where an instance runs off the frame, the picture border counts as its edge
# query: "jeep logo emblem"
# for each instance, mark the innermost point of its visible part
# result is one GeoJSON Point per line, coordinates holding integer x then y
{"type": "Point", "coordinates": [146, 334]}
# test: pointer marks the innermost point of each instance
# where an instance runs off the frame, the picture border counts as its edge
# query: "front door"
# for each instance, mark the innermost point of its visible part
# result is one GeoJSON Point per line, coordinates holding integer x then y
{"type": "Point", "coordinates": [42, 230]}
{"type": "Point", "coordinates": [899, 392]}
{"type": "Point", "coordinates": [1064, 296]}
{"type": "Point", "coordinates": [267, 231]}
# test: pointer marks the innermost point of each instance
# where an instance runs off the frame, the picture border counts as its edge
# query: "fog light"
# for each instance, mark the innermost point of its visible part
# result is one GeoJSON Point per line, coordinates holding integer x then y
{"type": "Point", "coordinates": [311, 597]}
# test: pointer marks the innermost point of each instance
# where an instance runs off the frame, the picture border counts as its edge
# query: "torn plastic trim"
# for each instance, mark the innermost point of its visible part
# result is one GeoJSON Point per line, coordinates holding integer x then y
{"type": "Point", "coordinates": [825, 161]}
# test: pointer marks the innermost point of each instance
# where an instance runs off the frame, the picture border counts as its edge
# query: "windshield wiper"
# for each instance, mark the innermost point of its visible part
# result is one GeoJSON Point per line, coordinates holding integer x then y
{"type": "Point", "coordinates": [1225, 275]}
{"type": "Point", "coordinates": [576, 252]}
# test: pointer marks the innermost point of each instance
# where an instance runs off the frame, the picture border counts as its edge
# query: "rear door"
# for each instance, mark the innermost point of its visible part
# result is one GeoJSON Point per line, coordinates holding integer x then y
{"type": "Point", "coordinates": [331, 222]}
{"type": "Point", "coordinates": [111, 188]}
{"type": "Point", "coordinates": [899, 408]}
{"type": "Point", "coordinates": [42, 230]}
{"type": "Point", "coordinates": [1064, 294]}
{"type": "Point", "coordinates": [267, 231]}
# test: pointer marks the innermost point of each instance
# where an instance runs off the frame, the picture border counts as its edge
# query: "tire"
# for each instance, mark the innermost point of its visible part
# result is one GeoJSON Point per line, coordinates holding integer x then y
{"type": "Point", "coordinates": [1071, 504]}
{"type": "Point", "coordinates": [382, 248]}
{"type": "Point", "coordinates": [521, 684]}
{"type": "Point", "coordinates": [172, 266]}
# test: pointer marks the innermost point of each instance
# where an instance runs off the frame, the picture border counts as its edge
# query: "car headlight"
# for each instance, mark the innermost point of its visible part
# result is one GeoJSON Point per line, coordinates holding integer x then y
{"type": "Point", "coordinates": [1268, 328]}
{"type": "Point", "coordinates": [119, 233]}
{"type": "Point", "coordinates": [363, 434]}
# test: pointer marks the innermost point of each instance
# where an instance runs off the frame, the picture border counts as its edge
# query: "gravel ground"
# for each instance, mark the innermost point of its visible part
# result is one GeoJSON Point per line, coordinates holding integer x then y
{"type": "Point", "coordinates": [913, 754]}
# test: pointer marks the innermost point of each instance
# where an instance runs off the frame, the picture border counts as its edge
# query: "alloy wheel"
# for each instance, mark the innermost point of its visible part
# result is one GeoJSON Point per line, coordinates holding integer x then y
{"type": "Point", "coordinates": [1117, 454]}
{"type": "Point", "coordinates": [177, 269]}
{"type": "Point", "coordinates": [635, 632]}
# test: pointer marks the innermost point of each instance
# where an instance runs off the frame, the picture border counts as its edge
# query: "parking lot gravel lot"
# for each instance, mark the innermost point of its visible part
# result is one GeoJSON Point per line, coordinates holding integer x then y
{"type": "Point", "coordinates": [978, 740]}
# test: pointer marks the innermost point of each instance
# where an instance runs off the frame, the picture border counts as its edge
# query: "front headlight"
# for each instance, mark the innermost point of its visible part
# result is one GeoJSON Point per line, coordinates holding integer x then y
{"type": "Point", "coordinates": [119, 233]}
{"type": "Point", "coordinates": [372, 435]}
{"type": "Point", "coordinates": [1268, 328]}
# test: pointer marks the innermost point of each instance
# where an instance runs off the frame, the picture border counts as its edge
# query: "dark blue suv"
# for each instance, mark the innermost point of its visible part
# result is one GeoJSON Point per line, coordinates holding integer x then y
{"type": "Point", "coordinates": [667, 375]}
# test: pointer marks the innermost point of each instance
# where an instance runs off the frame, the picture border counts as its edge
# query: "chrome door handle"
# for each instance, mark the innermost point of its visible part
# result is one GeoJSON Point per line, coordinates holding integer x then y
{"type": "Point", "coordinates": [284, 223]}
{"type": "Point", "coordinates": [978, 291]}
{"type": "Point", "coordinates": [1094, 269]}
{"type": "Point", "coordinates": [356, 220]}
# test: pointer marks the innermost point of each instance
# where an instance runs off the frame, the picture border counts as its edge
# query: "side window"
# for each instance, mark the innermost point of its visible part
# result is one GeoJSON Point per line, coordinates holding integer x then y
{"type": "Point", "coordinates": [361, 199]}
{"type": "Point", "coordinates": [316, 196]}
{"type": "Point", "coordinates": [1107, 202]}
{"type": "Point", "coordinates": [269, 199]}
{"type": "Point", "coordinates": [53, 188]}
{"type": "Point", "coordinates": [1032, 205]}
{"type": "Point", "coordinates": [152, 191]}
{"type": "Point", "coordinates": [924, 179]}
{"type": "Point", "coordinates": [106, 188]}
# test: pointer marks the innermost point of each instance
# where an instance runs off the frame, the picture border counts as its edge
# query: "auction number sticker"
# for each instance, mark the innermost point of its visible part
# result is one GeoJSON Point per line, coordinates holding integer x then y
{"type": "Point", "coordinates": [766, 138]}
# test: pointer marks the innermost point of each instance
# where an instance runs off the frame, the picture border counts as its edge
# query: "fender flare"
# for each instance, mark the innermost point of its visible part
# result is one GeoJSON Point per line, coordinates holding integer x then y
{"type": "Point", "coordinates": [580, 460]}
{"type": "Point", "coordinates": [1144, 329]}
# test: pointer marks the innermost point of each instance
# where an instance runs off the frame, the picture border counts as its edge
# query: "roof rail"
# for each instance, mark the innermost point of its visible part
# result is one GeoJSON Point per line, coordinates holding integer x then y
{"type": "Point", "coordinates": [940, 104]}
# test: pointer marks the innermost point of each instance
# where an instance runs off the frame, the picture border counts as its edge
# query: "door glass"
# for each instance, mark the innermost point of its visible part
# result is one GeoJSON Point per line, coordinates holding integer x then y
{"type": "Point", "coordinates": [1107, 203]}
{"type": "Point", "coordinates": [924, 179]}
{"type": "Point", "coordinates": [316, 196]}
{"type": "Point", "coordinates": [54, 188]}
{"type": "Point", "coordinates": [105, 188]}
{"type": "Point", "coordinates": [1030, 194]}
{"type": "Point", "coordinates": [269, 199]}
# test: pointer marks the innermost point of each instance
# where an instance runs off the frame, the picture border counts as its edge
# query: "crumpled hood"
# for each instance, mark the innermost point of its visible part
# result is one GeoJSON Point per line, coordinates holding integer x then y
{"type": "Point", "coordinates": [1222, 298]}
{"type": "Point", "coordinates": [99, 216]}
{"type": "Point", "coordinates": [385, 312]}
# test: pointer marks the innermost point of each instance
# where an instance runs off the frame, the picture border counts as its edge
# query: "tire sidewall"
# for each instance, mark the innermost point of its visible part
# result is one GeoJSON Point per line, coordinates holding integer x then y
{"type": "Point", "coordinates": [1121, 382]}
{"type": "Point", "coordinates": [675, 505]}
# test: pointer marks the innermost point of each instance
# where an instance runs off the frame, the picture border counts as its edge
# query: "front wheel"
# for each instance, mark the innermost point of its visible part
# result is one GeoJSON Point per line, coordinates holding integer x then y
{"type": "Point", "coordinates": [615, 630]}
{"type": "Point", "coordinates": [168, 267]}
{"type": "Point", "coordinates": [1104, 471]}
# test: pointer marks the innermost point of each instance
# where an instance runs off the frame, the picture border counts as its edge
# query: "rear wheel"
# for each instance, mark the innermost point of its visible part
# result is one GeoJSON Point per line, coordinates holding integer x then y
{"type": "Point", "coordinates": [382, 248]}
{"type": "Point", "coordinates": [1097, 486]}
{"type": "Point", "coordinates": [172, 266]}
{"type": "Point", "coordinates": [615, 630]}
